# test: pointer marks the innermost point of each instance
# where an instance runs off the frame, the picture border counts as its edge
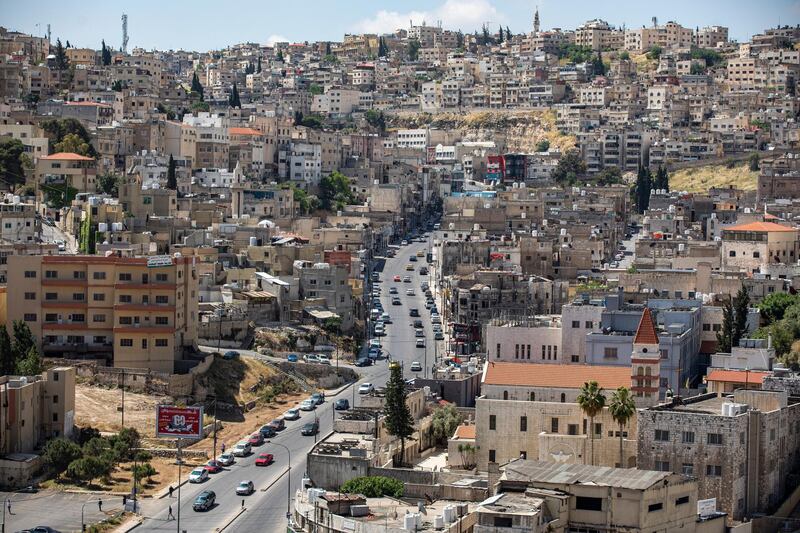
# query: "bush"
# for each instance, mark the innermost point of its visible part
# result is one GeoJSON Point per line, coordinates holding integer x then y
{"type": "Point", "coordinates": [445, 421]}
{"type": "Point", "coordinates": [144, 470]}
{"type": "Point", "coordinates": [374, 487]}
{"type": "Point", "coordinates": [89, 468]}
{"type": "Point", "coordinates": [59, 453]}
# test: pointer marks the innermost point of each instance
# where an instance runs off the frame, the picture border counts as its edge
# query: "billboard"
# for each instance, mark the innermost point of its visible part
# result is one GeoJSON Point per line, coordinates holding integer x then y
{"type": "Point", "coordinates": [179, 422]}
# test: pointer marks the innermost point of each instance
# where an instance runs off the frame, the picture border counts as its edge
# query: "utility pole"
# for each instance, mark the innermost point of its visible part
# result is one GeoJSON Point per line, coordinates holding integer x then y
{"type": "Point", "coordinates": [122, 375]}
{"type": "Point", "coordinates": [180, 462]}
{"type": "Point", "coordinates": [215, 427]}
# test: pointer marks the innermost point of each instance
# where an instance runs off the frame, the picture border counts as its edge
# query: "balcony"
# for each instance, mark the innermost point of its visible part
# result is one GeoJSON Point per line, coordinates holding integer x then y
{"type": "Point", "coordinates": [57, 282]}
{"type": "Point", "coordinates": [53, 348]}
{"type": "Point", "coordinates": [144, 328]}
{"type": "Point", "coordinates": [151, 307]}
{"type": "Point", "coordinates": [158, 285]}
{"type": "Point", "coordinates": [65, 304]}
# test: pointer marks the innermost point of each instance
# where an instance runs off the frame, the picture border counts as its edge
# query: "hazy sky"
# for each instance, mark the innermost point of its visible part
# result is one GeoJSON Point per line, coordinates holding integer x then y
{"type": "Point", "coordinates": [204, 25]}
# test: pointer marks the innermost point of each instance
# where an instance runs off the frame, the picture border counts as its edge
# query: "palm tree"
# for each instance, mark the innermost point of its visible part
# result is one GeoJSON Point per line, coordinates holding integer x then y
{"type": "Point", "coordinates": [622, 409]}
{"type": "Point", "coordinates": [591, 401]}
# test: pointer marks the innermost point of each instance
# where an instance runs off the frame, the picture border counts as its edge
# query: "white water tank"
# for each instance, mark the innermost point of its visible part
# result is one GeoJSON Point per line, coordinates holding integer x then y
{"type": "Point", "coordinates": [410, 522]}
{"type": "Point", "coordinates": [253, 241]}
{"type": "Point", "coordinates": [102, 226]}
{"type": "Point", "coordinates": [116, 226]}
{"type": "Point", "coordinates": [563, 231]}
{"type": "Point", "coordinates": [449, 514]}
{"type": "Point", "coordinates": [438, 522]}
{"type": "Point", "coordinates": [476, 227]}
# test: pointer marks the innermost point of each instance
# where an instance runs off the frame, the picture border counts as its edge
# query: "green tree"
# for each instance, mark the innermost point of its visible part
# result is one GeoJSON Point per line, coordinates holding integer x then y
{"type": "Point", "coordinates": [143, 470]}
{"type": "Point", "coordinates": [725, 334]}
{"type": "Point", "coordinates": [31, 364]}
{"type": "Point", "coordinates": [383, 50]}
{"type": "Point", "coordinates": [117, 86]}
{"type": "Point", "coordinates": [335, 192]}
{"type": "Point", "coordinates": [258, 66]}
{"type": "Point", "coordinates": [234, 101]}
{"type": "Point", "coordinates": [622, 408]}
{"type": "Point", "coordinates": [197, 87]}
{"type": "Point", "coordinates": [711, 57]}
{"type": "Point", "coordinates": [508, 34]}
{"type": "Point", "coordinates": [460, 40]}
{"type": "Point", "coordinates": [200, 106]}
{"type": "Point", "coordinates": [774, 306]}
{"type": "Point", "coordinates": [467, 453]}
{"type": "Point", "coordinates": [696, 69]}
{"type": "Point", "coordinates": [279, 57]}
{"type": "Point", "coordinates": [72, 143]}
{"type": "Point", "coordinates": [609, 176]}
{"type": "Point", "coordinates": [654, 53]}
{"type": "Point", "coordinates": [125, 443]}
{"type": "Point", "coordinates": [754, 162]}
{"type": "Point", "coordinates": [501, 37]}
{"type": "Point", "coordinates": [625, 56]}
{"type": "Point", "coordinates": [57, 129]}
{"type": "Point", "coordinates": [172, 179]}
{"type": "Point", "coordinates": [591, 400]}
{"type": "Point", "coordinates": [741, 307]}
{"type": "Point", "coordinates": [62, 61]}
{"type": "Point", "coordinates": [8, 364]}
{"type": "Point", "coordinates": [24, 340]}
{"type": "Point", "coordinates": [376, 119]}
{"type": "Point", "coordinates": [59, 453]}
{"type": "Point", "coordinates": [413, 49]}
{"type": "Point", "coordinates": [105, 55]}
{"type": "Point", "coordinates": [661, 180]}
{"type": "Point", "coordinates": [374, 487]}
{"type": "Point", "coordinates": [598, 67]}
{"type": "Point", "coordinates": [315, 89]}
{"type": "Point", "coordinates": [644, 184]}
{"type": "Point", "coordinates": [445, 421]}
{"type": "Point", "coordinates": [543, 146]}
{"type": "Point", "coordinates": [570, 167]}
{"type": "Point", "coordinates": [108, 183]}
{"type": "Point", "coordinates": [11, 160]}
{"type": "Point", "coordinates": [399, 421]}
{"type": "Point", "coordinates": [89, 468]}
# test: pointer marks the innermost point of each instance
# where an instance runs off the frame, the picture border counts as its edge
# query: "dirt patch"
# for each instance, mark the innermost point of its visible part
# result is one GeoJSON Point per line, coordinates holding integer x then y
{"type": "Point", "coordinates": [99, 408]}
{"type": "Point", "coordinates": [699, 179]}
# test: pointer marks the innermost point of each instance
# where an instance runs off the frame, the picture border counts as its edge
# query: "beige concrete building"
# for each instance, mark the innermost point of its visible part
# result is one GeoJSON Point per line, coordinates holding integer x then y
{"type": "Point", "coordinates": [132, 311]}
{"type": "Point", "coordinates": [748, 246]}
{"type": "Point", "coordinates": [66, 169]}
{"type": "Point", "coordinates": [670, 35]}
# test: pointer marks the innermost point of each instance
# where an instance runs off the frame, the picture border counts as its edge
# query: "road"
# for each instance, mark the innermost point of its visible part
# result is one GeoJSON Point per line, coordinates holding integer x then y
{"type": "Point", "coordinates": [59, 510]}
{"type": "Point", "coordinates": [266, 508]}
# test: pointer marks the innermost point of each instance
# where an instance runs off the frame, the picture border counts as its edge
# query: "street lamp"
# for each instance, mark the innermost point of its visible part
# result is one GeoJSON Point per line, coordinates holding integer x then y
{"type": "Point", "coordinates": [83, 522]}
{"type": "Point", "coordinates": [289, 481]}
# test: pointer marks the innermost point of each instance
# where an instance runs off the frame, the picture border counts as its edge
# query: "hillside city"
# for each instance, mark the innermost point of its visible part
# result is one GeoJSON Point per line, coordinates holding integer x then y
{"type": "Point", "coordinates": [437, 279]}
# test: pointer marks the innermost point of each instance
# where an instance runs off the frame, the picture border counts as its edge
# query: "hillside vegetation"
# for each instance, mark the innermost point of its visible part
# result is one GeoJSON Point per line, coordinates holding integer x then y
{"type": "Point", "coordinates": [699, 179]}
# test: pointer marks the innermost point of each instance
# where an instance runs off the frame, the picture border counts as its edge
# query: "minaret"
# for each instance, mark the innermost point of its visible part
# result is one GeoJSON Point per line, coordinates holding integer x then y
{"type": "Point", "coordinates": [645, 359]}
{"type": "Point", "coordinates": [536, 21]}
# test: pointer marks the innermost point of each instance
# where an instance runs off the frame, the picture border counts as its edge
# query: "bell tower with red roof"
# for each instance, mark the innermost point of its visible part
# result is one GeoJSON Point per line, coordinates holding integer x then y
{"type": "Point", "coordinates": [646, 358]}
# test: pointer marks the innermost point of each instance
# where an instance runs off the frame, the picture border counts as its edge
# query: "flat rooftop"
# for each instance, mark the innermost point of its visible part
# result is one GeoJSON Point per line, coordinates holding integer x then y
{"type": "Point", "coordinates": [568, 474]}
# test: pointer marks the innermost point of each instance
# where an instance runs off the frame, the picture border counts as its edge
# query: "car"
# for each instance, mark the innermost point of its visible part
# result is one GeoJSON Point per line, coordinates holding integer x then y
{"type": "Point", "coordinates": [342, 404]}
{"type": "Point", "coordinates": [40, 529]}
{"type": "Point", "coordinates": [439, 336]}
{"type": "Point", "coordinates": [230, 354]}
{"type": "Point", "coordinates": [404, 243]}
{"type": "Point", "coordinates": [417, 324]}
{"type": "Point", "coordinates": [413, 258]}
{"type": "Point", "coordinates": [264, 459]}
{"type": "Point", "coordinates": [324, 359]}
{"type": "Point", "coordinates": [379, 331]}
{"type": "Point", "coordinates": [311, 358]}
{"type": "Point", "coordinates": [410, 267]}
{"type": "Point", "coordinates": [428, 304]}
{"type": "Point", "coordinates": [365, 388]}
{"type": "Point", "coordinates": [277, 424]}
{"type": "Point", "coordinates": [374, 353]}
{"type": "Point", "coordinates": [376, 277]}
{"type": "Point", "coordinates": [413, 312]}
{"type": "Point", "coordinates": [435, 318]}
{"type": "Point", "coordinates": [386, 319]}
{"type": "Point", "coordinates": [292, 414]}
{"type": "Point", "coordinates": [213, 466]}
{"type": "Point", "coordinates": [308, 405]}
{"type": "Point", "coordinates": [420, 343]}
{"type": "Point", "coordinates": [407, 279]}
{"type": "Point", "coordinates": [434, 310]}
{"type": "Point", "coordinates": [375, 343]}
{"type": "Point", "coordinates": [204, 501]}
{"type": "Point", "coordinates": [267, 431]}
{"type": "Point", "coordinates": [198, 475]}
{"type": "Point", "coordinates": [255, 439]}
{"type": "Point", "coordinates": [242, 449]}
{"type": "Point", "coordinates": [437, 327]}
{"type": "Point", "coordinates": [425, 287]}
{"type": "Point", "coordinates": [423, 271]}
{"type": "Point", "coordinates": [226, 459]}
{"type": "Point", "coordinates": [416, 366]}
{"type": "Point", "coordinates": [393, 290]}
{"type": "Point", "coordinates": [312, 428]}
{"type": "Point", "coordinates": [397, 301]}
{"type": "Point", "coordinates": [420, 253]}
{"type": "Point", "coordinates": [614, 264]}
{"type": "Point", "coordinates": [410, 292]}
{"type": "Point", "coordinates": [318, 398]}
{"type": "Point", "coordinates": [396, 279]}
{"type": "Point", "coordinates": [292, 358]}
{"type": "Point", "coordinates": [363, 361]}
{"type": "Point", "coordinates": [437, 227]}
{"type": "Point", "coordinates": [245, 488]}
{"type": "Point", "coordinates": [419, 332]}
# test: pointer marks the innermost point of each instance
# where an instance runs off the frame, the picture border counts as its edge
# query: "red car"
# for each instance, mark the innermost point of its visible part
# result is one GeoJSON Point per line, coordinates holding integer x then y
{"type": "Point", "coordinates": [264, 459]}
{"type": "Point", "coordinates": [212, 467]}
{"type": "Point", "coordinates": [256, 439]}
{"type": "Point", "coordinates": [396, 279]}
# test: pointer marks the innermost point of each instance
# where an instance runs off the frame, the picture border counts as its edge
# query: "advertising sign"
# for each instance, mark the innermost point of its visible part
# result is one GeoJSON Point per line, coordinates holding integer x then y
{"type": "Point", "coordinates": [159, 261]}
{"type": "Point", "coordinates": [179, 422]}
{"type": "Point", "coordinates": [707, 507]}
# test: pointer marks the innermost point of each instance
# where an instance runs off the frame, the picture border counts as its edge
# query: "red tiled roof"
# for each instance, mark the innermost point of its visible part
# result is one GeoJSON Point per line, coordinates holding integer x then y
{"type": "Point", "coordinates": [243, 131]}
{"type": "Point", "coordinates": [759, 227]}
{"type": "Point", "coordinates": [67, 156]}
{"type": "Point", "coordinates": [465, 431]}
{"type": "Point", "coordinates": [557, 376]}
{"type": "Point", "coordinates": [646, 332]}
{"type": "Point", "coordinates": [737, 376]}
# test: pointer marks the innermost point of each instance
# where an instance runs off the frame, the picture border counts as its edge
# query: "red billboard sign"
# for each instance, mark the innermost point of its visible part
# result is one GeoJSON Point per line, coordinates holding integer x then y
{"type": "Point", "coordinates": [179, 422]}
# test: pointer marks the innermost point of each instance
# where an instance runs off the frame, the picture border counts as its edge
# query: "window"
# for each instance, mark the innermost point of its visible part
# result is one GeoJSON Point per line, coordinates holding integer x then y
{"type": "Point", "coordinates": [523, 423]}
{"type": "Point", "coordinates": [732, 253]}
{"type": "Point", "coordinates": [655, 507]}
{"type": "Point", "coordinates": [663, 466]}
{"type": "Point", "coordinates": [78, 297]}
{"type": "Point", "coordinates": [563, 398]}
{"type": "Point", "coordinates": [532, 396]}
{"type": "Point", "coordinates": [50, 296]}
{"type": "Point", "coordinates": [99, 318]}
{"type": "Point", "coordinates": [162, 320]}
{"type": "Point", "coordinates": [588, 324]}
{"type": "Point", "coordinates": [598, 429]}
{"type": "Point", "coordinates": [576, 324]}
{"type": "Point", "coordinates": [714, 439]}
{"type": "Point", "coordinates": [554, 425]}
{"type": "Point", "coordinates": [682, 500]}
{"type": "Point", "coordinates": [55, 417]}
{"type": "Point", "coordinates": [585, 503]}
{"type": "Point", "coordinates": [492, 421]}
{"type": "Point", "coordinates": [78, 318]}
{"type": "Point", "coordinates": [29, 317]}
{"type": "Point", "coordinates": [664, 353]}
{"type": "Point", "coordinates": [662, 435]}
{"type": "Point", "coordinates": [756, 254]}
{"type": "Point", "coordinates": [30, 295]}
{"type": "Point", "coordinates": [505, 395]}
{"type": "Point", "coordinates": [126, 342]}
{"type": "Point", "coordinates": [125, 320]}
{"type": "Point", "coordinates": [32, 273]}
{"type": "Point", "coordinates": [50, 317]}
{"type": "Point", "coordinates": [99, 275]}
{"type": "Point", "coordinates": [78, 274]}
{"type": "Point", "coordinates": [572, 429]}
{"type": "Point", "coordinates": [610, 353]}
{"type": "Point", "coordinates": [714, 470]}
{"type": "Point", "coordinates": [55, 398]}
{"type": "Point", "coordinates": [771, 434]}
{"type": "Point", "coordinates": [497, 353]}
{"type": "Point", "coordinates": [492, 456]}
{"type": "Point", "coordinates": [124, 276]}
{"type": "Point", "coordinates": [162, 299]}
{"type": "Point", "coordinates": [516, 351]}
{"type": "Point", "coordinates": [144, 344]}
{"type": "Point", "coordinates": [687, 469]}
{"type": "Point", "coordinates": [162, 278]}
{"type": "Point", "coordinates": [125, 298]}
{"type": "Point", "coordinates": [687, 437]}
{"type": "Point", "coordinates": [99, 297]}
{"type": "Point", "coordinates": [162, 343]}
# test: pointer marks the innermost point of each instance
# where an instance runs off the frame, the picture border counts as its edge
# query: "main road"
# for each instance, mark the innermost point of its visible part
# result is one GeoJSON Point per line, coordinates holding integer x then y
{"type": "Point", "coordinates": [265, 510]}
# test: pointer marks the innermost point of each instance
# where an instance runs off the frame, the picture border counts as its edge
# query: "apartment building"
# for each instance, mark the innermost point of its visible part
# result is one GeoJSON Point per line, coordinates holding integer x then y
{"type": "Point", "coordinates": [670, 35]}
{"type": "Point", "coordinates": [598, 35]}
{"type": "Point", "coordinates": [205, 140]}
{"type": "Point", "coordinates": [66, 170]}
{"type": "Point", "coordinates": [747, 246]}
{"type": "Point", "coordinates": [329, 285]}
{"type": "Point", "coordinates": [711, 37]}
{"type": "Point", "coordinates": [779, 178]}
{"type": "Point", "coordinates": [17, 220]}
{"type": "Point", "coordinates": [138, 312]}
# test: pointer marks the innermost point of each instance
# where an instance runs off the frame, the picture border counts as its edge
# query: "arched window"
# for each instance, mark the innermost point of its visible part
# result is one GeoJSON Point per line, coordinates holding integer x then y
{"type": "Point", "coordinates": [505, 395]}
{"type": "Point", "coordinates": [648, 372]}
{"type": "Point", "coordinates": [563, 398]}
{"type": "Point", "coordinates": [640, 371]}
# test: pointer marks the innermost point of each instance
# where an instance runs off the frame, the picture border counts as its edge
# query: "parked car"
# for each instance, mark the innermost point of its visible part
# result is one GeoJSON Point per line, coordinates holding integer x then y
{"type": "Point", "coordinates": [204, 501]}
{"type": "Point", "coordinates": [226, 459]}
{"type": "Point", "coordinates": [416, 366]}
{"type": "Point", "coordinates": [324, 358]}
{"type": "Point", "coordinates": [245, 488]}
{"type": "Point", "coordinates": [419, 332]}
{"type": "Point", "coordinates": [318, 398]}
{"type": "Point", "coordinates": [386, 319]}
{"type": "Point", "coordinates": [342, 404]}
{"type": "Point", "coordinates": [374, 353]}
{"type": "Point", "coordinates": [423, 271]}
{"type": "Point", "coordinates": [264, 459]}
{"type": "Point", "coordinates": [212, 466]}
{"type": "Point", "coordinates": [396, 301]}
{"type": "Point", "coordinates": [365, 388]}
{"type": "Point", "coordinates": [255, 439]}
{"type": "Point", "coordinates": [292, 357]}
{"type": "Point", "coordinates": [242, 449]}
{"type": "Point", "coordinates": [420, 343]}
{"type": "Point", "coordinates": [417, 324]}
{"type": "Point", "coordinates": [311, 358]}
{"type": "Point", "coordinates": [396, 279]}
{"type": "Point", "coordinates": [404, 243]}
{"type": "Point", "coordinates": [198, 475]}
{"type": "Point", "coordinates": [230, 354]}
{"type": "Point", "coordinates": [312, 428]}
{"type": "Point", "coordinates": [364, 361]}
{"type": "Point", "coordinates": [292, 414]}
{"type": "Point", "coordinates": [308, 405]}
{"type": "Point", "coordinates": [267, 431]}
{"type": "Point", "coordinates": [407, 279]}
{"type": "Point", "coordinates": [435, 318]}
{"type": "Point", "coordinates": [278, 424]}
{"type": "Point", "coordinates": [439, 336]}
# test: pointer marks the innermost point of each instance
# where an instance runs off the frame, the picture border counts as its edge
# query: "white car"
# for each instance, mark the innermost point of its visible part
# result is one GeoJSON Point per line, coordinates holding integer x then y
{"type": "Point", "coordinates": [308, 405]}
{"type": "Point", "coordinates": [386, 319]}
{"type": "Point", "coordinates": [292, 414]}
{"type": "Point", "coordinates": [409, 292]}
{"type": "Point", "coordinates": [242, 449]}
{"type": "Point", "coordinates": [404, 243]}
{"type": "Point", "coordinates": [324, 359]}
{"type": "Point", "coordinates": [416, 366]}
{"type": "Point", "coordinates": [365, 388]}
{"type": "Point", "coordinates": [226, 459]}
{"type": "Point", "coordinates": [436, 319]}
{"type": "Point", "coordinates": [420, 344]}
{"type": "Point", "coordinates": [198, 475]}
{"type": "Point", "coordinates": [311, 358]}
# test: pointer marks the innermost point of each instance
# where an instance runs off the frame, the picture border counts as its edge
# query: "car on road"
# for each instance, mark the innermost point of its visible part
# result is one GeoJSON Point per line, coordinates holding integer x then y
{"type": "Point", "coordinates": [198, 475]}
{"type": "Point", "coordinates": [312, 428]}
{"type": "Point", "coordinates": [226, 459]}
{"type": "Point", "coordinates": [396, 301]}
{"type": "Point", "coordinates": [428, 304]}
{"type": "Point", "coordinates": [386, 319]}
{"type": "Point", "coordinates": [213, 466]}
{"type": "Point", "coordinates": [365, 388]}
{"type": "Point", "coordinates": [292, 414]}
{"type": "Point", "coordinates": [311, 358]}
{"type": "Point", "coordinates": [267, 431]}
{"type": "Point", "coordinates": [416, 366]}
{"type": "Point", "coordinates": [413, 312]}
{"type": "Point", "coordinates": [396, 279]}
{"type": "Point", "coordinates": [375, 343]}
{"type": "Point", "coordinates": [435, 318]}
{"type": "Point", "coordinates": [419, 332]}
{"type": "Point", "coordinates": [374, 353]}
{"type": "Point", "coordinates": [342, 404]}
{"type": "Point", "coordinates": [292, 358]}
{"type": "Point", "coordinates": [324, 359]}
{"type": "Point", "coordinates": [255, 439]}
{"type": "Point", "coordinates": [420, 343]}
{"type": "Point", "coordinates": [40, 529]}
{"type": "Point", "coordinates": [364, 361]}
{"type": "Point", "coordinates": [379, 331]}
{"type": "Point", "coordinates": [204, 501]}
{"type": "Point", "coordinates": [245, 488]}
{"type": "Point", "coordinates": [410, 267]}
{"type": "Point", "coordinates": [308, 405]}
{"type": "Point", "coordinates": [264, 459]}
{"type": "Point", "coordinates": [278, 424]}
{"type": "Point", "coordinates": [230, 354]}
{"type": "Point", "coordinates": [407, 279]}
{"type": "Point", "coordinates": [393, 290]}
{"type": "Point", "coordinates": [410, 292]}
{"type": "Point", "coordinates": [420, 253]}
{"type": "Point", "coordinates": [434, 310]}
{"type": "Point", "coordinates": [614, 264]}
{"type": "Point", "coordinates": [423, 271]}
{"type": "Point", "coordinates": [318, 398]}
{"type": "Point", "coordinates": [404, 243]}
{"type": "Point", "coordinates": [439, 336]}
{"type": "Point", "coordinates": [242, 449]}
{"type": "Point", "coordinates": [413, 258]}
{"type": "Point", "coordinates": [417, 324]}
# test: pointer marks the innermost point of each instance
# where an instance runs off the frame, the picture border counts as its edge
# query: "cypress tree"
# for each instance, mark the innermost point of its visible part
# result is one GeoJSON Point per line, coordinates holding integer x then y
{"type": "Point", "coordinates": [197, 87]}
{"type": "Point", "coordinates": [7, 361]}
{"type": "Point", "coordinates": [233, 101]}
{"type": "Point", "coordinates": [741, 304]}
{"type": "Point", "coordinates": [105, 54]}
{"type": "Point", "coordinates": [725, 335]}
{"type": "Point", "coordinates": [644, 185]}
{"type": "Point", "coordinates": [399, 421]}
{"type": "Point", "coordinates": [258, 67]}
{"type": "Point", "coordinates": [172, 179]}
